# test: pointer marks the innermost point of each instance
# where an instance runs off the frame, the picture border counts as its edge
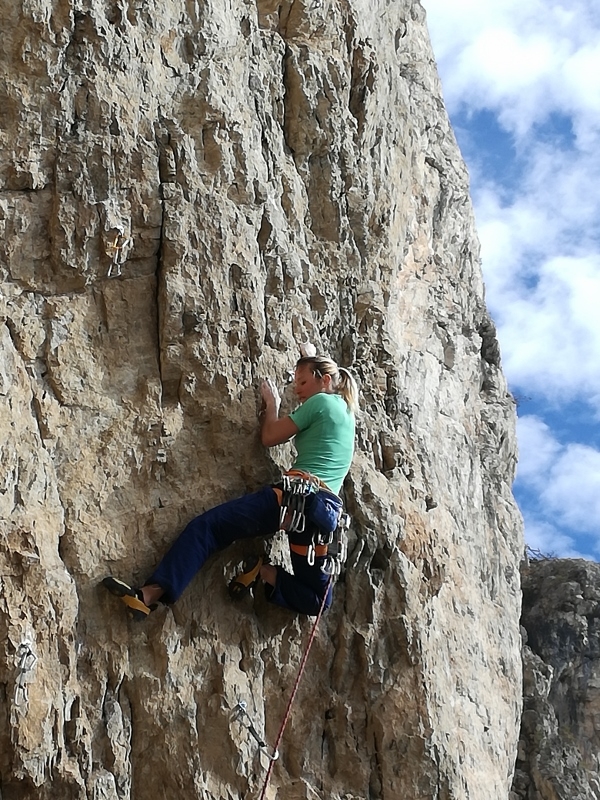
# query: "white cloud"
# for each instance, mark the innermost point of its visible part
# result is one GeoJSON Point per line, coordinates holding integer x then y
{"type": "Point", "coordinates": [524, 60]}
{"type": "Point", "coordinates": [560, 489]}
{"type": "Point", "coordinates": [545, 538]}
{"type": "Point", "coordinates": [564, 184]}
{"type": "Point", "coordinates": [538, 450]}
{"type": "Point", "coordinates": [541, 261]}
{"type": "Point", "coordinates": [573, 489]}
{"type": "Point", "coordinates": [550, 334]}
{"type": "Point", "coordinates": [534, 65]}
{"type": "Point", "coordinates": [504, 71]}
{"type": "Point", "coordinates": [561, 484]}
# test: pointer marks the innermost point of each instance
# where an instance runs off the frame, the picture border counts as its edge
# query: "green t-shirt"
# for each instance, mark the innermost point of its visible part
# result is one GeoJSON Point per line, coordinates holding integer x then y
{"type": "Point", "coordinates": [325, 441]}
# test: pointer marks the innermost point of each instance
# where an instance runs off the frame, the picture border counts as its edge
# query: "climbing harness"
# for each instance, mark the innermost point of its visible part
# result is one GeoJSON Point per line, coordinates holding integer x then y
{"type": "Point", "coordinates": [26, 660]}
{"type": "Point", "coordinates": [240, 712]}
{"type": "Point", "coordinates": [308, 507]}
{"type": "Point", "coordinates": [288, 710]}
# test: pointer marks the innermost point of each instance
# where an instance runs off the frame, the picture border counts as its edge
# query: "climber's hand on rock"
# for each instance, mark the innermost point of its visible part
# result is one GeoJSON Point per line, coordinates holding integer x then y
{"type": "Point", "coordinates": [270, 395]}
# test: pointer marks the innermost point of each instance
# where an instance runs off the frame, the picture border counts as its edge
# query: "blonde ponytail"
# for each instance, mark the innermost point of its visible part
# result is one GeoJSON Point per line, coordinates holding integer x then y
{"type": "Point", "coordinates": [348, 389]}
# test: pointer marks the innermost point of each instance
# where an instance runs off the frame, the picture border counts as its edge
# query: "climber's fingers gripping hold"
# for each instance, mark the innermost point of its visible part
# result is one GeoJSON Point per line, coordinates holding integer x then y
{"type": "Point", "coordinates": [270, 394]}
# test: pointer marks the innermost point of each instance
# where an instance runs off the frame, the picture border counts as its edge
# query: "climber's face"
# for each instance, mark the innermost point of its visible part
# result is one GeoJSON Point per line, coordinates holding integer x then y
{"type": "Point", "coordinates": [306, 383]}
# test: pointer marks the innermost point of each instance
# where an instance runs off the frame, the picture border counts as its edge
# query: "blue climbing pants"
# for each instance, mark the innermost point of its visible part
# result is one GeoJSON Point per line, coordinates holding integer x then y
{"type": "Point", "coordinates": [249, 516]}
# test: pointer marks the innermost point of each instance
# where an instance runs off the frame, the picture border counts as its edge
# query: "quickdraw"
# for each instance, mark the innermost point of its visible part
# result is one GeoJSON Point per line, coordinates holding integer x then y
{"type": "Point", "coordinates": [26, 660]}
{"type": "Point", "coordinates": [295, 489]}
{"type": "Point", "coordinates": [337, 548]}
{"type": "Point", "coordinates": [115, 251]}
{"type": "Point", "coordinates": [240, 712]}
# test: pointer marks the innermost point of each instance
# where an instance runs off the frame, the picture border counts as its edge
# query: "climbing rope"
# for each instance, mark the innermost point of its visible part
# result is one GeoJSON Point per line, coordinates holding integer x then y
{"type": "Point", "coordinates": [288, 710]}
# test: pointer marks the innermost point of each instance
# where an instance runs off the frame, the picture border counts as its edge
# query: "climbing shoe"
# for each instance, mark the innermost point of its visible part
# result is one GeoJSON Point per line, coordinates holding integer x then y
{"type": "Point", "coordinates": [133, 598]}
{"type": "Point", "coordinates": [247, 578]}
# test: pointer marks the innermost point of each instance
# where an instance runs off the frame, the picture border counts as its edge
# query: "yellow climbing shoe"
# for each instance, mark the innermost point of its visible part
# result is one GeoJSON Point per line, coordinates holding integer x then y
{"type": "Point", "coordinates": [133, 598]}
{"type": "Point", "coordinates": [247, 578]}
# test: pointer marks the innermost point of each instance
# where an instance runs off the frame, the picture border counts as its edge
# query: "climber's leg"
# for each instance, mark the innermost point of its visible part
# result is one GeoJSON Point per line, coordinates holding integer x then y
{"type": "Point", "coordinates": [246, 517]}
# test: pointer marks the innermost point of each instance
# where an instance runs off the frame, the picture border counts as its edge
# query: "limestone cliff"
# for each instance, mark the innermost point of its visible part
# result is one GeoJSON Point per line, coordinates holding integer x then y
{"type": "Point", "coordinates": [560, 733]}
{"type": "Point", "coordinates": [187, 190]}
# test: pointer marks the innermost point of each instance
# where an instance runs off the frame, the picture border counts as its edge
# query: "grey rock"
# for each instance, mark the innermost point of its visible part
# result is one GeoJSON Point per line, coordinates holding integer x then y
{"type": "Point", "coordinates": [558, 749]}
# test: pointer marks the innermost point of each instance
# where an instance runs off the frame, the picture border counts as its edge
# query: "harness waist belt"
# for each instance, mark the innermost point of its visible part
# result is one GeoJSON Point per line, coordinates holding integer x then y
{"type": "Point", "coordinates": [298, 473]}
{"type": "Point", "coordinates": [302, 549]}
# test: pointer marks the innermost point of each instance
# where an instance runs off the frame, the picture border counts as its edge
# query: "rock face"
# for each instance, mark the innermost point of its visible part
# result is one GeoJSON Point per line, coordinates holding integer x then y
{"type": "Point", "coordinates": [560, 735]}
{"type": "Point", "coordinates": [187, 190]}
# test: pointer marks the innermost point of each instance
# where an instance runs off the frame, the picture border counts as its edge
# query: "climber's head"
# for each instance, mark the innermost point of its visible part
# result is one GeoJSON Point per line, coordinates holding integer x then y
{"type": "Point", "coordinates": [310, 380]}
{"type": "Point", "coordinates": [316, 374]}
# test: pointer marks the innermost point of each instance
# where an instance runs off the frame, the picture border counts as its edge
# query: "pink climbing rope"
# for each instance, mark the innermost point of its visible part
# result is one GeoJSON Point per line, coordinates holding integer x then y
{"type": "Point", "coordinates": [288, 710]}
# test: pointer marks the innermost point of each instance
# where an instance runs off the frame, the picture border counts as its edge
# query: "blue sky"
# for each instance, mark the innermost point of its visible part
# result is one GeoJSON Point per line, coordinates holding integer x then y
{"type": "Point", "coordinates": [521, 82]}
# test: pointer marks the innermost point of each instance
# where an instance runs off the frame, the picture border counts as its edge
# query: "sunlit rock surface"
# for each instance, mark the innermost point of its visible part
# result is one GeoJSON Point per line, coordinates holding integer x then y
{"type": "Point", "coordinates": [187, 191]}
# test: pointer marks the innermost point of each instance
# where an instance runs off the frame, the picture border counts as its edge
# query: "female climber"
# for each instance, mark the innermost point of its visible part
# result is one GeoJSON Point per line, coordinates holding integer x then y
{"type": "Point", "coordinates": [305, 503]}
